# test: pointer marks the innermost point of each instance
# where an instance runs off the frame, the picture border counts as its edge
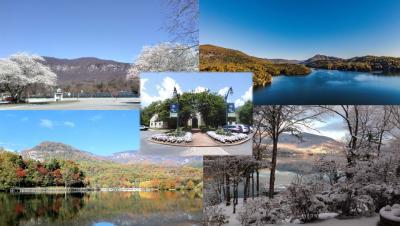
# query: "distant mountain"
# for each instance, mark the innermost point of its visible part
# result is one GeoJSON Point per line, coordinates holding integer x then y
{"type": "Point", "coordinates": [133, 157]}
{"type": "Point", "coordinates": [54, 150]}
{"type": "Point", "coordinates": [284, 61]}
{"type": "Point", "coordinates": [365, 63]}
{"type": "Point", "coordinates": [216, 58]}
{"type": "Point", "coordinates": [319, 57]}
{"type": "Point", "coordinates": [86, 69]}
{"type": "Point", "coordinates": [308, 143]}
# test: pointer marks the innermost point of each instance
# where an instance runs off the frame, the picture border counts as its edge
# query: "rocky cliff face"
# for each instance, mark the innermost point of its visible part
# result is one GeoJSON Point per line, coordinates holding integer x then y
{"type": "Point", "coordinates": [54, 150]}
{"type": "Point", "coordinates": [87, 69]}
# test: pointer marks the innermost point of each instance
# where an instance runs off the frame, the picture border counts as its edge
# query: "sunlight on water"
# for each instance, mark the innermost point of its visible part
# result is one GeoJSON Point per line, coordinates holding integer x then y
{"type": "Point", "coordinates": [103, 224]}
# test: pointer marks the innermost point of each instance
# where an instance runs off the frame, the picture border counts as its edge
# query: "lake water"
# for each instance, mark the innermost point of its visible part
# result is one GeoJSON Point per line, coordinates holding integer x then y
{"type": "Point", "coordinates": [331, 87]}
{"type": "Point", "coordinates": [102, 209]}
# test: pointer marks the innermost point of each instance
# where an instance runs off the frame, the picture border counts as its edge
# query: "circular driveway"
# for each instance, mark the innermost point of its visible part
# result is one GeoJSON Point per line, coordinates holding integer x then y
{"type": "Point", "coordinates": [152, 148]}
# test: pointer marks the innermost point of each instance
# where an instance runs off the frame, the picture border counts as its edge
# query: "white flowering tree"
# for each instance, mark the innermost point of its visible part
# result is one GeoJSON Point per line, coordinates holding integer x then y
{"type": "Point", "coordinates": [21, 71]}
{"type": "Point", "coordinates": [164, 57]}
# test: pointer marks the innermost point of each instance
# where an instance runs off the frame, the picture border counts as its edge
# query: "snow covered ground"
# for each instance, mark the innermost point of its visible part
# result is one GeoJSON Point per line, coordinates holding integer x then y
{"type": "Point", "coordinates": [326, 219]}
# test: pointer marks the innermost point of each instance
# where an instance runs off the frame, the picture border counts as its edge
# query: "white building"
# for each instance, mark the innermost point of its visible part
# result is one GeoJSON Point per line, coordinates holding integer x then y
{"type": "Point", "coordinates": [156, 123]}
{"type": "Point", "coordinates": [195, 122]}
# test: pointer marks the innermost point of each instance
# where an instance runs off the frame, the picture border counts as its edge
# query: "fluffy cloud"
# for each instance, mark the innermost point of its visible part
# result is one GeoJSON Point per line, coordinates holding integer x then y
{"type": "Point", "coordinates": [223, 91]}
{"type": "Point", "coordinates": [239, 102]}
{"type": "Point", "coordinates": [46, 123]}
{"type": "Point", "coordinates": [69, 124]}
{"type": "Point", "coordinates": [164, 91]}
{"type": "Point", "coordinates": [248, 96]}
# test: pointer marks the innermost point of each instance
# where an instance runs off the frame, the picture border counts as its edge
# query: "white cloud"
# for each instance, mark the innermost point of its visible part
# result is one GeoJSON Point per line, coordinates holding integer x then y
{"type": "Point", "coordinates": [200, 89]}
{"type": "Point", "coordinates": [239, 102]}
{"type": "Point", "coordinates": [46, 123]}
{"type": "Point", "coordinates": [247, 96]}
{"type": "Point", "coordinates": [69, 124]}
{"type": "Point", "coordinates": [223, 91]}
{"type": "Point", "coordinates": [164, 91]}
{"type": "Point", "coordinates": [24, 119]}
{"type": "Point", "coordinates": [96, 118]}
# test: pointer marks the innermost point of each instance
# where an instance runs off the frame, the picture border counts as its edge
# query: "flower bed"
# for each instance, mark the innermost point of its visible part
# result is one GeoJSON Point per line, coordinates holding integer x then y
{"type": "Point", "coordinates": [234, 137]}
{"type": "Point", "coordinates": [187, 138]}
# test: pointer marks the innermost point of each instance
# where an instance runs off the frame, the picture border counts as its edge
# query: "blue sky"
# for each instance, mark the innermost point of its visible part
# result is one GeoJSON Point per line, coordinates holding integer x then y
{"type": "Point", "coordinates": [299, 29]}
{"type": "Point", "coordinates": [109, 29]}
{"type": "Point", "coordinates": [99, 132]}
{"type": "Point", "coordinates": [159, 86]}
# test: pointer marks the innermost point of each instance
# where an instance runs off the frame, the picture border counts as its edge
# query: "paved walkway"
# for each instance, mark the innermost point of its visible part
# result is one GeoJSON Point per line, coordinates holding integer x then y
{"type": "Point", "coordinates": [203, 140]}
{"type": "Point", "coordinates": [200, 151]}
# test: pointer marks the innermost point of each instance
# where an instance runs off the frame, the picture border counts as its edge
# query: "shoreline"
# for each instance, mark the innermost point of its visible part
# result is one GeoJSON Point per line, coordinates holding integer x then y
{"type": "Point", "coordinates": [62, 190]}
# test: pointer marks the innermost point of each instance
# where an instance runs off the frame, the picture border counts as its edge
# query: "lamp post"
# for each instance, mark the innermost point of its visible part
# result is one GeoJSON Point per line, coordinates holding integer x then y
{"type": "Point", "coordinates": [230, 91]}
{"type": "Point", "coordinates": [176, 94]}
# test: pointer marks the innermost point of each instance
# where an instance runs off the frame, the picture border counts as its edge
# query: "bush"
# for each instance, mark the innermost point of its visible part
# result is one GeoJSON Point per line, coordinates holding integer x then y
{"type": "Point", "coordinates": [213, 215]}
{"type": "Point", "coordinates": [349, 201]}
{"type": "Point", "coordinates": [221, 131]}
{"type": "Point", "coordinates": [260, 211]}
{"type": "Point", "coordinates": [203, 128]}
{"type": "Point", "coordinates": [303, 202]}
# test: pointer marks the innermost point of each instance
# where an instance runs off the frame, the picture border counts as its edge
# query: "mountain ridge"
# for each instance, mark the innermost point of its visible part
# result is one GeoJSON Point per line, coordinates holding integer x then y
{"type": "Point", "coordinates": [48, 150]}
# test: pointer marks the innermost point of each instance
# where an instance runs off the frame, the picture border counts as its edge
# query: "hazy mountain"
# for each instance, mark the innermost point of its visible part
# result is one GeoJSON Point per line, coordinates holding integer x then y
{"type": "Point", "coordinates": [86, 69]}
{"type": "Point", "coordinates": [308, 143]}
{"type": "Point", "coordinates": [50, 150]}
{"type": "Point", "coordinates": [284, 61]}
{"type": "Point", "coordinates": [320, 57]}
{"type": "Point", "coordinates": [133, 157]}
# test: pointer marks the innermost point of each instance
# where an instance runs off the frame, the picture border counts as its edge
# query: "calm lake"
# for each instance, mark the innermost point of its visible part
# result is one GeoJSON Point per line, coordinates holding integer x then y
{"type": "Point", "coordinates": [331, 87]}
{"type": "Point", "coordinates": [102, 209]}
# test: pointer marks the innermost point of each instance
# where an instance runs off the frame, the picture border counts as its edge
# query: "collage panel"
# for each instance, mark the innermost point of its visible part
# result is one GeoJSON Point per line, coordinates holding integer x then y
{"type": "Point", "coordinates": [306, 52]}
{"type": "Point", "coordinates": [196, 114]}
{"type": "Point", "coordinates": [70, 151]}
{"type": "Point", "coordinates": [326, 98]}
{"type": "Point", "coordinates": [314, 165]}
{"type": "Point", "coordinates": [85, 168]}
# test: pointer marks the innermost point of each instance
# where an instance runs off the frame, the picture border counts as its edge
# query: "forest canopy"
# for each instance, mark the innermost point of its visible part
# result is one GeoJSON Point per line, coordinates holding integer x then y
{"type": "Point", "coordinates": [16, 171]}
{"type": "Point", "coordinates": [214, 58]}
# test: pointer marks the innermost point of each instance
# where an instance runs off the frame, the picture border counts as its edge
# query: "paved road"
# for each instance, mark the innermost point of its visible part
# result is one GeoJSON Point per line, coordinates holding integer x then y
{"type": "Point", "coordinates": [78, 104]}
{"type": "Point", "coordinates": [149, 148]}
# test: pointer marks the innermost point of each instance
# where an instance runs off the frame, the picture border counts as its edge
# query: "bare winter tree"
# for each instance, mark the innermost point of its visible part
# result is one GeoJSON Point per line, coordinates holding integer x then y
{"type": "Point", "coordinates": [183, 22]}
{"type": "Point", "coordinates": [22, 71]}
{"type": "Point", "coordinates": [278, 119]}
{"type": "Point", "coordinates": [367, 126]}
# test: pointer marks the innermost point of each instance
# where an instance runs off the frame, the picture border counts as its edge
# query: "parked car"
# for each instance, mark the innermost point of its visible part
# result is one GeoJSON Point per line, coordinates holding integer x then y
{"type": "Point", "coordinates": [233, 128]}
{"type": "Point", "coordinates": [143, 127]}
{"type": "Point", "coordinates": [244, 128]}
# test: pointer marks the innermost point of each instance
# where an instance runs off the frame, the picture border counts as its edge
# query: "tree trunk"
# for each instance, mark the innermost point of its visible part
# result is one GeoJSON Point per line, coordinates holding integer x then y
{"type": "Point", "coordinates": [257, 183]}
{"type": "Point", "coordinates": [252, 184]}
{"type": "Point", "coordinates": [246, 184]}
{"type": "Point", "coordinates": [227, 191]}
{"type": "Point", "coordinates": [273, 167]}
{"type": "Point", "coordinates": [380, 143]}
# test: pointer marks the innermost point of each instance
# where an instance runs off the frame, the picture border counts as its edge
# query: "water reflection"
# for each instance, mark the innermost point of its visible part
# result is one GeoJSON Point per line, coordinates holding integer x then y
{"type": "Point", "coordinates": [102, 208]}
{"type": "Point", "coordinates": [331, 87]}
